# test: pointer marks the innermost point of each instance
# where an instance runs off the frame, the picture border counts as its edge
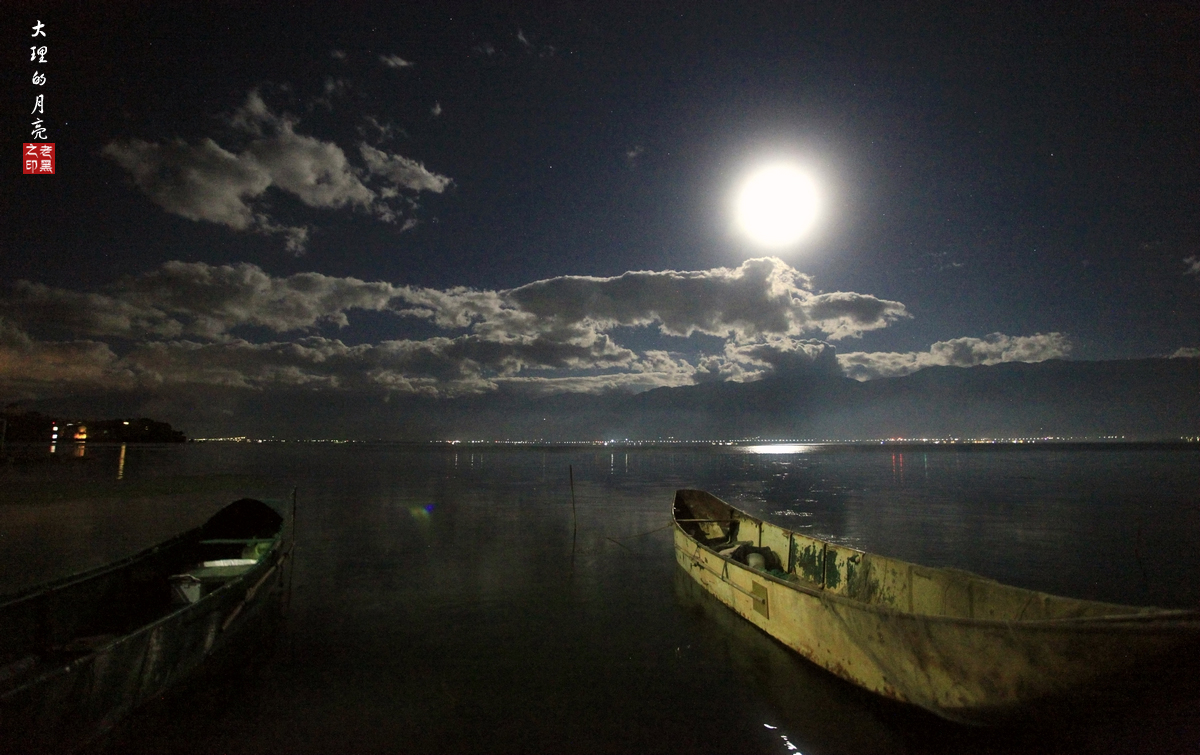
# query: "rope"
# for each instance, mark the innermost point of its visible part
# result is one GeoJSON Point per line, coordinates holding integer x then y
{"type": "Point", "coordinates": [640, 534]}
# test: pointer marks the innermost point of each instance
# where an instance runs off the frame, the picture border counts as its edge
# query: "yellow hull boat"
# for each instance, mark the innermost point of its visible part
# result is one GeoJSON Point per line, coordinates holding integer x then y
{"type": "Point", "coordinates": [962, 646]}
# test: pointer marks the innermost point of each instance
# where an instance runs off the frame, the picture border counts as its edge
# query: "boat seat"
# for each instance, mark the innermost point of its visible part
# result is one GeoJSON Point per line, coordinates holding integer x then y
{"type": "Point", "coordinates": [195, 583]}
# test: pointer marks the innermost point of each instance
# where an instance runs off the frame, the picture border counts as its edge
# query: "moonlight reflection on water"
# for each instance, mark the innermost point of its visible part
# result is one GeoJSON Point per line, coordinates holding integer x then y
{"type": "Point", "coordinates": [441, 606]}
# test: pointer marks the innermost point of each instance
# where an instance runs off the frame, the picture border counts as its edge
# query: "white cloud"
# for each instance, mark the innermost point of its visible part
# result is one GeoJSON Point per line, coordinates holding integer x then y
{"type": "Point", "coordinates": [402, 172]}
{"type": "Point", "coordinates": [337, 54]}
{"type": "Point", "coordinates": [202, 182]}
{"type": "Point", "coordinates": [760, 300]}
{"type": "Point", "coordinates": [209, 183]}
{"type": "Point", "coordinates": [761, 297]}
{"type": "Point", "coordinates": [199, 300]}
{"type": "Point", "coordinates": [1186, 352]}
{"type": "Point", "coordinates": [957, 352]}
{"type": "Point", "coordinates": [394, 61]}
{"type": "Point", "coordinates": [180, 326]}
{"type": "Point", "coordinates": [382, 132]}
{"type": "Point", "coordinates": [436, 110]}
{"type": "Point", "coordinates": [1193, 264]}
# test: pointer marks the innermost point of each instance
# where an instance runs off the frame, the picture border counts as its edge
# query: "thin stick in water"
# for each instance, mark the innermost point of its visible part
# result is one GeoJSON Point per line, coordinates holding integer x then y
{"type": "Point", "coordinates": [574, 518]}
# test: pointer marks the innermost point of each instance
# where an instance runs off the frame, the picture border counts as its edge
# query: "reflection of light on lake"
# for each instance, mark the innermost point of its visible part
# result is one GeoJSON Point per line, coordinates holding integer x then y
{"type": "Point", "coordinates": [121, 464]}
{"type": "Point", "coordinates": [782, 448]}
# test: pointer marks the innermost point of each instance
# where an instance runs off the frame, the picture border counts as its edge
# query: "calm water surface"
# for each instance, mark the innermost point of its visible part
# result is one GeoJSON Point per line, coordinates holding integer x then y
{"type": "Point", "coordinates": [451, 601]}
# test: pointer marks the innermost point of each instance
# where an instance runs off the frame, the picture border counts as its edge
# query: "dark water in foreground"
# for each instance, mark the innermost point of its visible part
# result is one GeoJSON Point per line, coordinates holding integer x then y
{"type": "Point", "coordinates": [441, 604]}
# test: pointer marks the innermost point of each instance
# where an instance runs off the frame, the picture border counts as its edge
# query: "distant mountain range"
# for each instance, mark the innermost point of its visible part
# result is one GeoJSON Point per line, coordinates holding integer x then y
{"type": "Point", "coordinates": [1141, 399]}
{"type": "Point", "coordinates": [1145, 399]}
{"type": "Point", "coordinates": [1151, 398]}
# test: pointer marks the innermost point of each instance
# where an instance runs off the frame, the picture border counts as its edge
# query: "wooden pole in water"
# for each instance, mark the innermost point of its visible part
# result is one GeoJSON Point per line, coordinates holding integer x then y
{"type": "Point", "coordinates": [574, 518]}
{"type": "Point", "coordinates": [292, 555]}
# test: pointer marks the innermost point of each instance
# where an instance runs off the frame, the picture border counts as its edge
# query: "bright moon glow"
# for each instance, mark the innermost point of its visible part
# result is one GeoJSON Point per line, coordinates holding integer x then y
{"type": "Point", "coordinates": [776, 206]}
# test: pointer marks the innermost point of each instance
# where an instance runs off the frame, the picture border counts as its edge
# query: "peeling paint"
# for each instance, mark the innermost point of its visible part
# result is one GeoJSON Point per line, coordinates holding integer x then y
{"type": "Point", "coordinates": [959, 645]}
{"type": "Point", "coordinates": [833, 577]}
{"type": "Point", "coordinates": [809, 562]}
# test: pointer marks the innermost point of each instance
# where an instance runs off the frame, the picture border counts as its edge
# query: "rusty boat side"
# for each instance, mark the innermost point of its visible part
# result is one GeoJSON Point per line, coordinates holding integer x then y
{"type": "Point", "coordinates": [960, 645]}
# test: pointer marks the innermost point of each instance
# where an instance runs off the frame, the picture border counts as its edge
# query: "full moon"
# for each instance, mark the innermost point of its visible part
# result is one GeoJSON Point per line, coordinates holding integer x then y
{"type": "Point", "coordinates": [776, 206]}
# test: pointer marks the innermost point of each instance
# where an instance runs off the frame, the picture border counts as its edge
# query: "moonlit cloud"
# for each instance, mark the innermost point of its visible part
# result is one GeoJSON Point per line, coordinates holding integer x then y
{"type": "Point", "coordinates": [394, 61]}
{"type": "Point", "coordinates": [206, 182]}
{"type": "Point", "coordinates": [189, 324]}
{"type": "Point", "coordinates": [29, 368]}
{"type": "Point", "coordinates": [1193, 265]}
{"type": "Point", "coordinates": [198, 300]}
{"type": "Point", "coordinates": [402, 172]}
{"type": "Point", "coordinates": [760, 297]}
{"type": "Point", "coordinates": [957, 352]}
{"type": "Point", "coordinates": [1186, 352]}
{"type": "Point", "coordinates": [201, 182]}
{"type": "Point", "coordinates": [785, 354]}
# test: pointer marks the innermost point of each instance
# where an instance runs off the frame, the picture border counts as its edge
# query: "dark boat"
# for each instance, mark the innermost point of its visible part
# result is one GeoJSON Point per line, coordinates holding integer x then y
{"type": "Point", "coordinates": [959, 645]}
{"type": "Point", "coordinates": [78, 654]}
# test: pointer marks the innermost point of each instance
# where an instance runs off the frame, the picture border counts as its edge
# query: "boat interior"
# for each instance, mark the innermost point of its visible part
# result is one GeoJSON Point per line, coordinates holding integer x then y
{"type": "Point", "coordinates": [72, 617]}
{"type": "Point", "coordinates": [811, 564]}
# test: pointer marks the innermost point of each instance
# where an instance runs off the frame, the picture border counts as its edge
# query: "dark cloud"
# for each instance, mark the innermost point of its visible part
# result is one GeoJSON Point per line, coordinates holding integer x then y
{"type": "Point", "coordinates": [31, 369]}
{"type": "Point", "coordinates": [789, 355]}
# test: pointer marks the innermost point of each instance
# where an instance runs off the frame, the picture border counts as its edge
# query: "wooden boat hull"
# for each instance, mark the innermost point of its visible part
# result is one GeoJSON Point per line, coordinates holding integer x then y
{"type": "Point", "coordinates": [964, 647]}
{"type": "Point", "coordinates": [78, 688]}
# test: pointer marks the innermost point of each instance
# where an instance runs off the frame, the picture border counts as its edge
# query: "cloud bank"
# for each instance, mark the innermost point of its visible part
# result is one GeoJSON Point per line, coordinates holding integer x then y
{"type": "Point", "coordinates": [195, 324]}
{"type": "Point", "coordinates": [957, 352]}
{"type": "Point", "coordinates": [206, 182]}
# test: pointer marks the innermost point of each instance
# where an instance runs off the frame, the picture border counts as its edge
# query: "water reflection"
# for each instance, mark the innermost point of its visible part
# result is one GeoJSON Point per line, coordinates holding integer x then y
{"type": "Point", "coordinates": [121, 464]}
{"type": "Point", "coordinates": [782, 448]}
{"type": "Point", "coordinates": [437, 608]}
{"type": "Point", "coordinates": [898, 469]}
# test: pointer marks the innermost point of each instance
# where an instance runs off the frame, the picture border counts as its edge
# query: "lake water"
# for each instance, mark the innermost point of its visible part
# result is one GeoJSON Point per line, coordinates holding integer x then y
{"type": "Point", "coordinates": [453, 601]}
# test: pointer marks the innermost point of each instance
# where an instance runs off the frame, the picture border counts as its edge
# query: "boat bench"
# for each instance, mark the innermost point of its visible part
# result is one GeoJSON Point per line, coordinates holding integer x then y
{"type": "Point", "coordinates": [198, 581]}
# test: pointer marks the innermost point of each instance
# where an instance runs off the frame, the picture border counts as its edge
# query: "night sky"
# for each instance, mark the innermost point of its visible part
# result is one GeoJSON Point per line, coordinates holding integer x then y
{"type": "Point", "coordinates": [450, 199]}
